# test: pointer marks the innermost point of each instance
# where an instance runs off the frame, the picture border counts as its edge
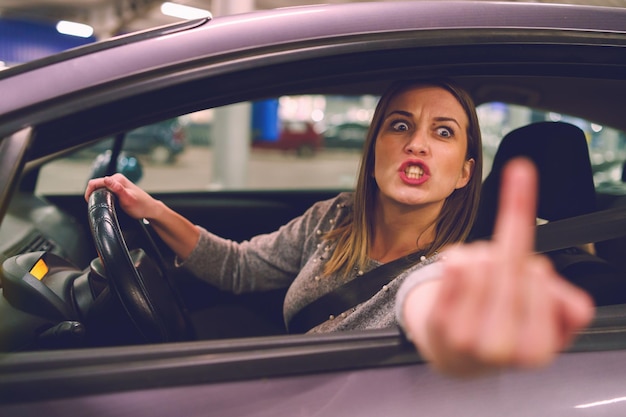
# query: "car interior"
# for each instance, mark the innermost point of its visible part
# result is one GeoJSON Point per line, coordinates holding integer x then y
{"type": "Point", "coordinates": [566, 189]}
{"type": "Point", "coordinates": [59, 226]}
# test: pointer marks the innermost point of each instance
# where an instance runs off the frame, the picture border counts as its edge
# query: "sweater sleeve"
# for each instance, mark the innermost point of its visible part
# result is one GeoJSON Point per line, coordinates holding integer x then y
{"type": "Point", "coordinates": [427, 273]}
{"type": "Point", "coordinates": [265, 262]}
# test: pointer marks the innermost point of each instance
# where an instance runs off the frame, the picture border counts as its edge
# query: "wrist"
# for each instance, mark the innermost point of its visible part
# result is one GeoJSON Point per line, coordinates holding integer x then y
{"type": "Point", "coordinates": [157, 212]}
{"type": "Point", "coordinates": [428, 273]}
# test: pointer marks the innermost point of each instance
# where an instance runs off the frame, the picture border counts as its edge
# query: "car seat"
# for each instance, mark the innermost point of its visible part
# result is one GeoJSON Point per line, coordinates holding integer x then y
{"type": "Point", "coordinates": [566, 189]}
{"type": "Point", "coordinates": [560, 153]}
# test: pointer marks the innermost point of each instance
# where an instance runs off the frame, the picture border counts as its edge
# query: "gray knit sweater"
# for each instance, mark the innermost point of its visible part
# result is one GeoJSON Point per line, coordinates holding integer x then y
{"type": "Point", "coordinates": [294, 257]}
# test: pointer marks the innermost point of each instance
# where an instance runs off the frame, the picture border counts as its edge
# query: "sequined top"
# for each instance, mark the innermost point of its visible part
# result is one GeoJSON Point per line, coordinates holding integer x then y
{"type": "Point", "coordinates": [293, 257]}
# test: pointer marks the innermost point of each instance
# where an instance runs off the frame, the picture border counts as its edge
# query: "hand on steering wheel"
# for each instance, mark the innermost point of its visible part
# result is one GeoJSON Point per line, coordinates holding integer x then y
{"type": "Point", "coordinates": [138, 279]}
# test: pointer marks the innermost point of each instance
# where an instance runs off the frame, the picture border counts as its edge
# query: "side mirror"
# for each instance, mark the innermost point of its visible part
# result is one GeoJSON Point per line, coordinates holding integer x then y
{"type": "Point", "coordinates": [127, 165]}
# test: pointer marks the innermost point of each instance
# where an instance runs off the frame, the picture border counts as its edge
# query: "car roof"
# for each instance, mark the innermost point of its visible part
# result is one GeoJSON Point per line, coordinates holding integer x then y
{"type": "Point", "coordinates": [121, 56]}
{"type": "Point", "coordinates": [483, 45]}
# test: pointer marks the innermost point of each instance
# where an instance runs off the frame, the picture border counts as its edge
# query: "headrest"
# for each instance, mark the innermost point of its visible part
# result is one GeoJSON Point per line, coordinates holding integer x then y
{"type": "Point", "coordinates": [560, 152]}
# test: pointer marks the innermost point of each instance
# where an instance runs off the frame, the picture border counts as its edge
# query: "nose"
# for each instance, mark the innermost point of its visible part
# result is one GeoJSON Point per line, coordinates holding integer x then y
{"type": "Point", "coordinates": [417, 144]}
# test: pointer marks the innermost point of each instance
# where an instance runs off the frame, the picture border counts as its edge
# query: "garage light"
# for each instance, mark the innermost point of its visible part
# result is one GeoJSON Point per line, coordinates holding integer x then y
{"type": "Point", "coordinates": [74, 29]}
{"type": "Point", "coordinates": [183, 12]}
{"type": "Point", "coordinates": [596, 128]}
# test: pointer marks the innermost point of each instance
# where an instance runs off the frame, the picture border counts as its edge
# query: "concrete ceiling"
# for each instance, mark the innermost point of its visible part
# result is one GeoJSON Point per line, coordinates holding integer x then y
{"type": "Point", "coordinates": [111, 17]}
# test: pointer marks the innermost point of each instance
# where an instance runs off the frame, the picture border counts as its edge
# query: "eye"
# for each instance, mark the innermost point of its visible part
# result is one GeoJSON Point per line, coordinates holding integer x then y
{"type": "Point", "coordinates": [445, 132]}
{"type": "Point", "coordinates": [400, 125]}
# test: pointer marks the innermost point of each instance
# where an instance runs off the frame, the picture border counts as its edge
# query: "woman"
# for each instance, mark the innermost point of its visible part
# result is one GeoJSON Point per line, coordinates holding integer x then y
{"type": "Point", "coordinates": [417, 191]}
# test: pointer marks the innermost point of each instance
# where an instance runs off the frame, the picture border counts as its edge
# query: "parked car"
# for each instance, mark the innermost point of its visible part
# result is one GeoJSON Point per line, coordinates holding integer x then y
{"type": "Point", "coordinates": [160, 142]}
{"type": "Point", "coordinates": [295, 136]}
{"type": "Point", "coordinates": [70, 332]}
{"type": "Point", "coordinates": [349, 135]}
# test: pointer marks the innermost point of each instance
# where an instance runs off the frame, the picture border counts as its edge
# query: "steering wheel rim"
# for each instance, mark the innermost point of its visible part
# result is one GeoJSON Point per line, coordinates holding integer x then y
{"type": "Point", "coordinates": [149, 301]}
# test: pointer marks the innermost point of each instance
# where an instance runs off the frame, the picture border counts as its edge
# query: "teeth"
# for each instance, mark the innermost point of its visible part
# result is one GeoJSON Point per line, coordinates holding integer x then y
{"type": "Point", "coordinates": [414, 172]}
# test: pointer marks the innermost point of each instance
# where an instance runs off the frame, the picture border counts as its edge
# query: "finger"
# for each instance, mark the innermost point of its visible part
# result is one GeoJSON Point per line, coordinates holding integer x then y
{"type": "Point", "coordinates": [539, 333]}
{"type": "Point", "coordinates": [499, 324]}
{"type": "Point", "coordinates": [115, 184]}
{"type": "Point", "coordinates": [514, 232]}
{"type": "Point", "coordinates": [513, 240]}
{"type": "Point", "coordinates": [93, 185]}
{"type": "Point", "coordinates": [471, 286]}
{"type": "Point", "coordinates": [123, 190]}
{"type": "Point", "coordinates": [449, 350]}
{"type": "Point", "coordinates": [574, 306]}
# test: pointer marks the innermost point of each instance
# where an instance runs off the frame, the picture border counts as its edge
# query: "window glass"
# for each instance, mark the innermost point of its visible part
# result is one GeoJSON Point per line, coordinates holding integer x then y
{"type": "Point", "coordinates": [293, 142]}
{"type": "Point", "coordinates": [296, 142]}
{"type": "Point", "coordinates": [607, 146]}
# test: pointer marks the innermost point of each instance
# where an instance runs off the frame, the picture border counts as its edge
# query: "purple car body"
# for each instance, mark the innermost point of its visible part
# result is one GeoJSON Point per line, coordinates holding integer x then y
{"type": "Point", "coordinates": [564, 58]}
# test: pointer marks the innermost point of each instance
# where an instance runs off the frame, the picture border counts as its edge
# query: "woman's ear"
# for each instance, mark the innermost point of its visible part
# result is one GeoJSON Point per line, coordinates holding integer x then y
{"type": "Point", "coordinates": [466, 173]}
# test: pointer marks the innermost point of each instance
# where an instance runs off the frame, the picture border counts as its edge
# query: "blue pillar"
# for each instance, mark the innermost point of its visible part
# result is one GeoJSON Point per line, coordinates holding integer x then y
{"type": "Point", "coordinates": [265, 124]}
{"type": "Point", "coordinates": [25, 40]}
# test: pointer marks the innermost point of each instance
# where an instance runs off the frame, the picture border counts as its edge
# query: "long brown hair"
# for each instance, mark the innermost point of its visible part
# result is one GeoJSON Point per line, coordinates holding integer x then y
{"type": "Point", "coordinates": [457, 214]}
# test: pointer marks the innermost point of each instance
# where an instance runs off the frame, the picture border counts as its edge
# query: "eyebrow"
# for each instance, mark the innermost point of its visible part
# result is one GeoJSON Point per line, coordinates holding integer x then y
{"type": "Point", "coordinates": [447, 119]}
{"type": "Point", "coordinates": [400, 112]}
{"type": "Point", "coordinates": [437, 119]}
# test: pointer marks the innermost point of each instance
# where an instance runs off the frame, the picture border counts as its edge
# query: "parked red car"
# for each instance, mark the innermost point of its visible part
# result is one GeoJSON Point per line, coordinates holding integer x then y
{"type": "Point", "coordinates": [298, 136]}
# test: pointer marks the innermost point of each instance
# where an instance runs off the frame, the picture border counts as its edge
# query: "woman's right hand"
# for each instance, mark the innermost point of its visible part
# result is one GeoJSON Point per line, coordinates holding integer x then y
{"type": "Point", "coordinates": [137, 203]}
{"type": "Point", "coordinates": [175, 230]}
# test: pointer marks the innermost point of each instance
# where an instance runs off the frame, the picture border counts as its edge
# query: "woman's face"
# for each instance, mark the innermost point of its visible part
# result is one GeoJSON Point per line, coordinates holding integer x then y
{"type": "Point", "coordinates": [421, 147]}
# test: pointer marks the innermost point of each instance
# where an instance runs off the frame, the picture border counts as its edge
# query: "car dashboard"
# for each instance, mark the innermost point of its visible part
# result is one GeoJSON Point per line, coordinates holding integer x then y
{"type": "Point", "coordinates": [33, 224]}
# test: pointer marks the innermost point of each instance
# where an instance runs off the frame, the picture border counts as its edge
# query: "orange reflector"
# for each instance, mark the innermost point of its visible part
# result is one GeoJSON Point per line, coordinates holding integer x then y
{"type": "Point", "coordinates": [39, 270]}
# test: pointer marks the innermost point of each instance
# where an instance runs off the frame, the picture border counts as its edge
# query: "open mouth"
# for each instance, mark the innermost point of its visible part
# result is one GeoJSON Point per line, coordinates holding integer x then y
{"type": "Point", "coordinates": [413, 172]}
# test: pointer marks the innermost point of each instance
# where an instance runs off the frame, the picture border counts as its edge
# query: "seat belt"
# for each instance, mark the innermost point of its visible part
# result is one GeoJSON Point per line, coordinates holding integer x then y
{"type": "Point", "coordinates": [350, 294]}
{"type": "Point", "coordinates": [575, 231]}
{"type": "Point", "coordinates": [560, 234]}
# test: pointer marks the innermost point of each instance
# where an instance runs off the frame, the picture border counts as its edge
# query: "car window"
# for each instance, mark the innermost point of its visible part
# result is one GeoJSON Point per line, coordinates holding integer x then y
{"type": "Point", "coordinates": [291, 142]}
{"type": "Point", "coordinates": [607, 146]}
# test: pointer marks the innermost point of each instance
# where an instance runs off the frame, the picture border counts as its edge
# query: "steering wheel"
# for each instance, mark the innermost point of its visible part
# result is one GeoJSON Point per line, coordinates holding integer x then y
{"type": "Point", "coordinates": [138, 277]}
